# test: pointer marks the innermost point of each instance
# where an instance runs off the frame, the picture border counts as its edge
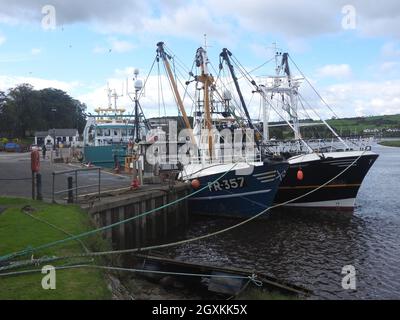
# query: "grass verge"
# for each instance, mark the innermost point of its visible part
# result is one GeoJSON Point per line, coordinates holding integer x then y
{"type": "Point", "coordinates": [18, 231]}
{"type": "Point", "coordinates": [395, 143]}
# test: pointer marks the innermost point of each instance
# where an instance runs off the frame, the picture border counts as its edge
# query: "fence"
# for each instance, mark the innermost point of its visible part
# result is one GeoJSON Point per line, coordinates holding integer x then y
{"type": "Point", "coordinates": [73, 191]}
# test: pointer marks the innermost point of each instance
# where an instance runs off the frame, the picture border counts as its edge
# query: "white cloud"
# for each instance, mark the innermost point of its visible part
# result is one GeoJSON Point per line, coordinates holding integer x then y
{"type": "Point", "coordinates": [391, 49]}
{"type": "Point", "coordinates": [151, 103]}
{"type": "Point", "coordinates": [364, 98]}
{"type": "Point", "coordinates": [191, 21]}
{"type": "Point", "coordinates": [335, 70]}
{"type": "Point", "coordinates": [100, 50]}
{"type": "Point", "coordinates": [221, 19]}
{"type": "Point", "coordinates": [36, 51]}
{"type": "Point", "coordinates": [121, 46]}
{"type": "Point", "coordinates": [7, 82]}
{"type": "Point", "coordinates": [2, 39]}
{"type": "Point", "coordinates": [114, 45]}
{"type": "Point", "coordinates": [389, 66]}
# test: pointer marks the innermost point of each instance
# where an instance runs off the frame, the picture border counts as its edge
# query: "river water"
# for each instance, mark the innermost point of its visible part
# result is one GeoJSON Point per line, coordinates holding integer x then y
{"type": "Point", "coordinates": [312, 249]}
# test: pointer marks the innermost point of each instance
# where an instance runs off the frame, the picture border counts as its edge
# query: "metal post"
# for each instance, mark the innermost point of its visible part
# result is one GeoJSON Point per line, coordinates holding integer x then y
{"type": "Point", "coordinates": [70, 190]}
{"type": "Point", "coordinates": [140, 171]}
{"type": "Point", "coordinates": [54, 178]}
{"type": "Point", "coordinates": [99, 183]}
{"type": "Point", "coordinates": [39, 195]}
{"type": "Point", "coordinates": [76, 185]}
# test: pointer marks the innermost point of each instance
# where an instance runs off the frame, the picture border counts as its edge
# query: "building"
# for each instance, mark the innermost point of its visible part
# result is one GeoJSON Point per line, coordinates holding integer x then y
{"type": "Point", "coordinates": [66, 137]}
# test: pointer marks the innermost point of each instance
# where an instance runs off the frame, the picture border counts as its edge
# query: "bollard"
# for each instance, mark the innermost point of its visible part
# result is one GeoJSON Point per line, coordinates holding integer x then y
{"type": "Point", "coordinates": [70, 190]}
{"type": "Point", "coordinates": [33, 185]}
{"type": "Point", "coordinates": [39, 195]}
{"type": "Point", "coordinates": [35, 168]}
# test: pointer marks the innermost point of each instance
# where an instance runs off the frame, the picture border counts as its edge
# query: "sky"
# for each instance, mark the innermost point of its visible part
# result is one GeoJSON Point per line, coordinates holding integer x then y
{"type": "Point", "coordinates": [348, 49]}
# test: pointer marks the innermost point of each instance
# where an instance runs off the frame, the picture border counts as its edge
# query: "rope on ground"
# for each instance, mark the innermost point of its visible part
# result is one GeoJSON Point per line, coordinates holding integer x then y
{"type": "Point", "coordinates": [58, 229]}
{"type": "Point", "coordinates": [253, 278]}
{"type": "Point", "coordinates": [85, 234]}
{"type": "Point", "coordinates": [173, 244]}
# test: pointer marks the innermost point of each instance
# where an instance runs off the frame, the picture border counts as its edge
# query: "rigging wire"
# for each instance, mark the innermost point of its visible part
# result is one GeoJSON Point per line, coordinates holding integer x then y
{"type": "Point", "coordinates": [315, 90]}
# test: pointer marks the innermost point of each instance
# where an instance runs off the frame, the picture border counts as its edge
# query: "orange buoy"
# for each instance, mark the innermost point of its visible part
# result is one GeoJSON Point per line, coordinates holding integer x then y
{"type": "Point", "coordinates": [300, 175]}
{"type": "Point", "coordinates": [196, 184]}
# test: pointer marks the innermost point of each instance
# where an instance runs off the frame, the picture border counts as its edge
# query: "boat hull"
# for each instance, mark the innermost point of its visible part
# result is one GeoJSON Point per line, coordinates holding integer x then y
{"type": "Point", "coordinates": [339, 195]}
{"type": "Point", "coordinates": [104, 156]}
{"type": "Point", "coordinates": [236, 194]}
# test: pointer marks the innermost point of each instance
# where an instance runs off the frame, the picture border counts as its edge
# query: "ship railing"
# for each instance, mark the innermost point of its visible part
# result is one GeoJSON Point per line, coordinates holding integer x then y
{"type": "Point", "coordinates": [223, 159]}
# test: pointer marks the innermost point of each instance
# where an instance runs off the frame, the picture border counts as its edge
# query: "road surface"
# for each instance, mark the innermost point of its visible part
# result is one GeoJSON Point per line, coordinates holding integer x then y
{"type": "Point", "coordinates": [15, 177]}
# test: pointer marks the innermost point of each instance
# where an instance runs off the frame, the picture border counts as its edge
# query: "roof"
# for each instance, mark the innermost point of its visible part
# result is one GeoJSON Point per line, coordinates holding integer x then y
{"type": "Point", "coordinates": [41, 134]}
{"type": "Point", "coordinates": [57, 132]}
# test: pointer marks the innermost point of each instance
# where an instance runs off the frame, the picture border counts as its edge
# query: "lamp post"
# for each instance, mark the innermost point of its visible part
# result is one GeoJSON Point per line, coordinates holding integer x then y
{"type": "Point", "coordinates": [54, 110]}
{"type": "Point", "coordinates": [138, 88]}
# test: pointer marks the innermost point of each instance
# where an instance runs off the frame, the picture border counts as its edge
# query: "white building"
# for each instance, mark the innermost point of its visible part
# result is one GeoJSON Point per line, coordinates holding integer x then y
{"type": "Point", "coordinates": [66, 137]}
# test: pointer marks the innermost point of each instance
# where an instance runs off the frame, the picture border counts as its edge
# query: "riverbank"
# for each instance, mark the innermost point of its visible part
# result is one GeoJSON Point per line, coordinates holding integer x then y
{"type": "Point", "coordinates": [27, 224]}
{"type": "Point", "coordinates": [394, 143]}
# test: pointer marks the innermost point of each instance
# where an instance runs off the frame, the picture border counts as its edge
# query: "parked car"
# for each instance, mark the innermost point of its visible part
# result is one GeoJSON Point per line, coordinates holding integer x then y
{"type": "Point", "coordinates": [12, 147]}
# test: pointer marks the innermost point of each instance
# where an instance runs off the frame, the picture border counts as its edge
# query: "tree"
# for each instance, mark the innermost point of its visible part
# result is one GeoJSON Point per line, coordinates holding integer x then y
{"type": "Point", "coordinates": [24, 110]}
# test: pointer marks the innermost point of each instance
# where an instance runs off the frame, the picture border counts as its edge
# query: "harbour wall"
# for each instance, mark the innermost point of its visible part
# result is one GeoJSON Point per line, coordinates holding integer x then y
{"type": "Point", "coordinates": [147, 230]}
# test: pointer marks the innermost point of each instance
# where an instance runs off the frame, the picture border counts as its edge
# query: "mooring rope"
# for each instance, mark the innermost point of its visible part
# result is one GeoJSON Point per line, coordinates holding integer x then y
{"type": "Point", "coordinates": [85, 234]}
{"type": "Point", "coordinates": [252, 278]}
{"type": "Point", "coordinates": [58, 229]}
{"type": "Point", "coordinates": [173, 244]}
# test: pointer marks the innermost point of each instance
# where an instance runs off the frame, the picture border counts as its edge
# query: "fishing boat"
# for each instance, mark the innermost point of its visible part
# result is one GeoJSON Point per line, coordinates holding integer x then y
{"type": "Point", "coordinates": [109, 135]}
{"type": "Point", "coordinates": [238, 183]}
{"type": "Point", "coordinates": [325, 175]}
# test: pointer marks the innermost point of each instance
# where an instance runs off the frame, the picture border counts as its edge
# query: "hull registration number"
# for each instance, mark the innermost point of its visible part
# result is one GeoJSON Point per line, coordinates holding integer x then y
{"type": "Point", "coordinates": [230, 184]}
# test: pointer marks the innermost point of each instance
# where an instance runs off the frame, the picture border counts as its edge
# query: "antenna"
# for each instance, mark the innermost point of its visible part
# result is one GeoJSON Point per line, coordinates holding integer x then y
{"type": "Point", "coordinates": [109, 95]}
{"type": "Point", "coordinates": [277, 53]}
{"type": "Point", "coordinates": [206, 44]}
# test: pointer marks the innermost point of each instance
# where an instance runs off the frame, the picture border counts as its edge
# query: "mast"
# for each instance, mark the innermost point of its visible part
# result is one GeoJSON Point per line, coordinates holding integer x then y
{"type": "Point", "coordinates": [165, 58]}
{"type": "Point", "coordinates": [138, 88]}
{"type": "Point", "coordinates": [207, 80]}
{"type": "Point", "coordinates": [109, 96]}
{"type": "Point", "coordinates": [292, 108]}
{"type": "Point", "coordinates": [226, 56]}
{"type": "Point", "coordinates": [265, 121]}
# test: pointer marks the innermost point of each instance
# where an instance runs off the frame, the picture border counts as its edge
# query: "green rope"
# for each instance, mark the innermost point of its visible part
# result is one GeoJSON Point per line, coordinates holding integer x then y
{"type": "Point", "coordinates": [97, 254]}
{"type": "Point", "coordinates": [252, 278]}
{"type": "Point", "coordinates": [89, 233]}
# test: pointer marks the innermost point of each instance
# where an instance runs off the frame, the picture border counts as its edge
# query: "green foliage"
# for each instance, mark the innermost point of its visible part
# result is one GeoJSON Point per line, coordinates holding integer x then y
{"type": "Point", "coordinates": [24, 110]}
{"type": "Point", "coordinates": [344, 127]}
{"type": "Point", "coordinates": [390, 143]}
{"type": "Point", "coordinates": [19, 231]}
